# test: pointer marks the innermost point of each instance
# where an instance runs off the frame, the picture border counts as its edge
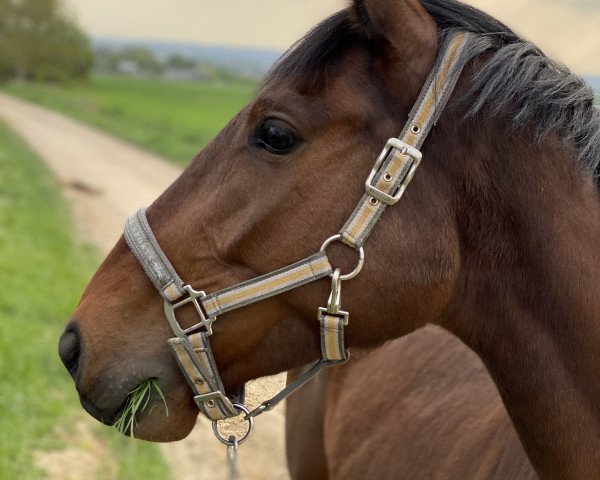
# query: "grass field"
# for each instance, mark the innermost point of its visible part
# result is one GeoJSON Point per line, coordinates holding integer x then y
{"type": "Point", "coordinates": [43, 272]}
{"type": "Point", "coordinates": [173, 119]}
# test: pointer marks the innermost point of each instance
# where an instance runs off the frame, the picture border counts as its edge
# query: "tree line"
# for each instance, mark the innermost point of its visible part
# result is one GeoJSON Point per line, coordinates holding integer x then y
{"type": "Point", "coordinates": [39, 41]}
{"type": "Point", "coordinates": [138, 60]}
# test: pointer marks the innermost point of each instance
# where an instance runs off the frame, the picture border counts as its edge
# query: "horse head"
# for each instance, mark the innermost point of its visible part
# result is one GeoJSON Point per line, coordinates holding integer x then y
{"type": "Point", "coordinates": [279, 178]}
{"type": "Point", "coordinates": [481, 222]}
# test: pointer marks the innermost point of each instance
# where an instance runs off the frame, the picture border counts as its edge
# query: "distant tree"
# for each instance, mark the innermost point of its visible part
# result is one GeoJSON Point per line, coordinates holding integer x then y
{"type": "Point", "coordinates": [106, 60]}
{"type": "Point", "coordinates": [38, 41]}
{"type": "Point", "coordinates": [180, 62]}
{"type": "Point", "coordinates": [143, 58]}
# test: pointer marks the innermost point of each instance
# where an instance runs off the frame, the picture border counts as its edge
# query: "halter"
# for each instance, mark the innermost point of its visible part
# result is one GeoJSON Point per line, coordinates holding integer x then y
{"type": "Point", "coordinates": [385, 185]}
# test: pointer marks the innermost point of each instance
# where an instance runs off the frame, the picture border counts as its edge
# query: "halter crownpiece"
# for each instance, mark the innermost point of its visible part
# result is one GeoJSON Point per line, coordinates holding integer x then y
{"type": "Point", "coordinates": [385, 185]}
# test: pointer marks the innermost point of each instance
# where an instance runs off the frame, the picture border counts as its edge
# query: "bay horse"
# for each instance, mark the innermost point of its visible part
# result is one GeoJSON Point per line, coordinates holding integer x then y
{"type": "Point", "coordinates": [494, 241]}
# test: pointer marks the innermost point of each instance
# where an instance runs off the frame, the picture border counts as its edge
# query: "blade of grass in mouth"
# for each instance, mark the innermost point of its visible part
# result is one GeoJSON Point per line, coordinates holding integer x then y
{"type": "Point", "coordinates": [137, 402]}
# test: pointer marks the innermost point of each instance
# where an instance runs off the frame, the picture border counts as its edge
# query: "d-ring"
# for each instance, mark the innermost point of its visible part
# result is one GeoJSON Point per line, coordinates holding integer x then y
{"type": "Point", "coordinates": [226, 441]}
{"type": "Point", "coordinates": [361, 257]}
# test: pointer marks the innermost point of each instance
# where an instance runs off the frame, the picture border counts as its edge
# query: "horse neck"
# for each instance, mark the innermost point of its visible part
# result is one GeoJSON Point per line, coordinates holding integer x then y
{"type": "Point", "coordinates": [527, 300]}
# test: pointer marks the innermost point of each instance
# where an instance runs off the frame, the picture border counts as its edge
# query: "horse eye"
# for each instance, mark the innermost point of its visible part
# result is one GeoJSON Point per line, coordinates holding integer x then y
{"type": "Point", "coordinates": [275, 136]}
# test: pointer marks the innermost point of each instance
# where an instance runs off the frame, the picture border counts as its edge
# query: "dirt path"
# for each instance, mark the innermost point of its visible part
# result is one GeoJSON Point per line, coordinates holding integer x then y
{"type": "Point", "coordinates": [105, 180]}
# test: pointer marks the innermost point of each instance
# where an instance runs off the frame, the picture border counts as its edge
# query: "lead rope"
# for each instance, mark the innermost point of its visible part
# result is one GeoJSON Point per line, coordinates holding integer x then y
{"type": "Point", "coordinates": [232, 456]}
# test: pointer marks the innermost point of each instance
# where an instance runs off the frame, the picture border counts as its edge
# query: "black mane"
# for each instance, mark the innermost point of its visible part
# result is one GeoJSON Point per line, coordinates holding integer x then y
{"type": "Point", "coordinates": [518, 79]}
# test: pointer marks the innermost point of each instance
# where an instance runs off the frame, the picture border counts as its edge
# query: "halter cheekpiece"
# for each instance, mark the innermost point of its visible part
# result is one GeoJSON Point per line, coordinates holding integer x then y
{"type": "Point", "coordinates": [385, 185]}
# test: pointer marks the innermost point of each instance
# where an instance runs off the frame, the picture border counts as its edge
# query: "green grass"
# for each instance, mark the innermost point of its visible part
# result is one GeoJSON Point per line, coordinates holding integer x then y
{"type": "Point", "coordinates": [137, 401]}
{"type": "Point", "coordinates": [173, 119]}
{"type": "Point", "coordinates": [42, 273]}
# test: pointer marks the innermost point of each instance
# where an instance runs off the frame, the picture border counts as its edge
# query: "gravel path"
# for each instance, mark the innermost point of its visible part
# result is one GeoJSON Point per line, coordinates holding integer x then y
{"type": "Point", "coordinates": [105, 180]}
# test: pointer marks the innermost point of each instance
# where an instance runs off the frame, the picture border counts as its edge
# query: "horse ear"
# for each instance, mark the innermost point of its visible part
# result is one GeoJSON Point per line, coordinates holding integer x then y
{"type": "Point", "coordinates": [408, 28]}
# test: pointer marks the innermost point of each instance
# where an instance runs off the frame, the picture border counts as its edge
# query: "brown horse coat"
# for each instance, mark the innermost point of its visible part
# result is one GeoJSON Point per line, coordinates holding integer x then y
{"type": "Point", "coordinates": [420, 407]}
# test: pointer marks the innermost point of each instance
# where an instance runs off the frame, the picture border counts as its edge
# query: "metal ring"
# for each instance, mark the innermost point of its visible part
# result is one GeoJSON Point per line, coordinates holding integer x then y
{"type": "Point", "coordinates": [361, 257]}
{"type": "Point", "coordinates": [215, 426]}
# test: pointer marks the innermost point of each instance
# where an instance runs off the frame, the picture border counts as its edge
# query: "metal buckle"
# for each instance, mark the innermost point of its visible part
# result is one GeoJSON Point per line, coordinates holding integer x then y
{"type": "Point", "coordinates": [404, 149]}
{"type": "Point", "coordinates": [341, 314]}
{"type": "Point", "coordinates": [192, 297]}
{"type": "Point", "coordinates": [207, 397]}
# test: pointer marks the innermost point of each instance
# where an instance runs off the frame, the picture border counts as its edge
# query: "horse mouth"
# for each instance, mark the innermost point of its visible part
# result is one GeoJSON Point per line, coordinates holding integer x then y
{"type": "Point", "coordinates": [139, 403]}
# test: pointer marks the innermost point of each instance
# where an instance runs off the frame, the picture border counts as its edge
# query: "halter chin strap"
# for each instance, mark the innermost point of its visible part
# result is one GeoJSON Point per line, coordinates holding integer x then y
{"type": "Point", "coordinates": [194, 357]}
{"type": "Point", "coordinates": [389, 178]}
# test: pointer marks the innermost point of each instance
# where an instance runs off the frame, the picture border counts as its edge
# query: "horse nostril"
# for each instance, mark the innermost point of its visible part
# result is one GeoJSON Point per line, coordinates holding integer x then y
{"type": "Point", "coordinates": [69, 350]}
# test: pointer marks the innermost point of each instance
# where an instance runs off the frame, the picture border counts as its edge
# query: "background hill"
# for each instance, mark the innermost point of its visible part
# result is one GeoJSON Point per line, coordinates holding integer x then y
{"type": "Point", "coordinates": [245, 62]}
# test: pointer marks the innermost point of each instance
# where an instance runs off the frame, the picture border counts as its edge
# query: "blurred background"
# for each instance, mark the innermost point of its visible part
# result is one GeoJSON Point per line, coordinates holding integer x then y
{"type": "Point", "coordinates": [90, 90]}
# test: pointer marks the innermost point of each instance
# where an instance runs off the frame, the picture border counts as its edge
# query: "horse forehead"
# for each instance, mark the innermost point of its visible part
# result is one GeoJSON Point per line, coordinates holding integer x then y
{"type": "Point", "coordinates": [341, 102]}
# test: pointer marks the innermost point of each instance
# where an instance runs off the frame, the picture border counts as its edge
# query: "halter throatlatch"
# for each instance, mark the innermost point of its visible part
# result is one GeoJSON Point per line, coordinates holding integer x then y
{"type": "Point", "coordinates": [385, 185]}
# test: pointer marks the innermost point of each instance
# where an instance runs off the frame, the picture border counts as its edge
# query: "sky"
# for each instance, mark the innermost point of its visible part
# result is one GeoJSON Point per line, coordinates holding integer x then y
{"type": "Point", "coordinates": [568, 30]}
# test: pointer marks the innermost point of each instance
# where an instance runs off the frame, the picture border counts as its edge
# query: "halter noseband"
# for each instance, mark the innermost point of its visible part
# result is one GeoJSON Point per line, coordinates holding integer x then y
{"type": "Point", "coordinates": [385, 185]}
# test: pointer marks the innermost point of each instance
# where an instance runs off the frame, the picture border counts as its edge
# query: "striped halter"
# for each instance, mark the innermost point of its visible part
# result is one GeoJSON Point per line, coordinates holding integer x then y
{"type": "Point", "coordinates": [385, 185]}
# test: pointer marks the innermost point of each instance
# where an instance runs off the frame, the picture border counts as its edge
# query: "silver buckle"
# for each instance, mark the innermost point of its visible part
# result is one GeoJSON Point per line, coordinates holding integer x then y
{"type": "Point", "coordinates": [192, 297]}
{"type": "Point", "coordinates": [342, 314]}
{"type": "Point", "coordinates": [404, 149]}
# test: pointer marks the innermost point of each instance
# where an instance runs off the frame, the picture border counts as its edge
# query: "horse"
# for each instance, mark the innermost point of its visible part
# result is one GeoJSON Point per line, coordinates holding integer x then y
{"type": "Point", "coordinates": [435, 415]}
{"type": "Point", "coordinates": [493, 241]}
